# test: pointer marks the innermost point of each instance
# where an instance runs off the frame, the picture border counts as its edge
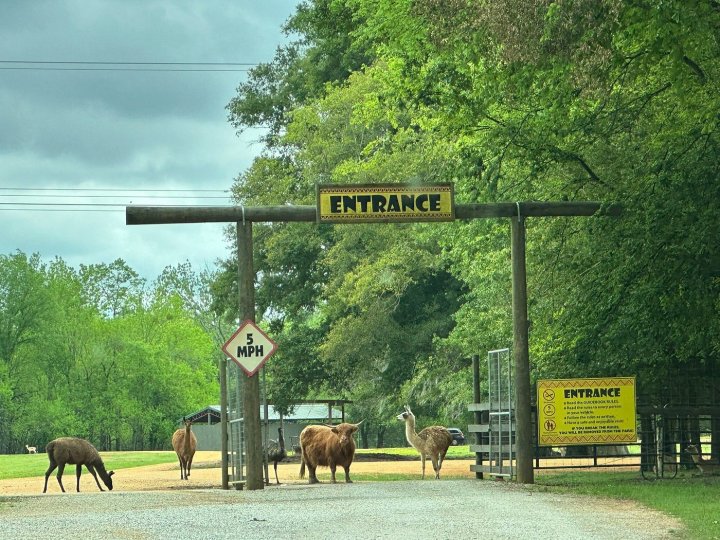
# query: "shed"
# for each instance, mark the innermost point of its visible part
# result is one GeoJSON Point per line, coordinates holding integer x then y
{"type": "Point", "coordinates": [206, 422]}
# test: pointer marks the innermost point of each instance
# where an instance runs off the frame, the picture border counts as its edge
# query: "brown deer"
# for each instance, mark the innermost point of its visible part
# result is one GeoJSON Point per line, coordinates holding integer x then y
{"type": "Point", "coordinates": [184, 443]}
{"type": "Point", "coordinates": [78, 452]}
{"type": "Point", "coordinates": [706, 466]}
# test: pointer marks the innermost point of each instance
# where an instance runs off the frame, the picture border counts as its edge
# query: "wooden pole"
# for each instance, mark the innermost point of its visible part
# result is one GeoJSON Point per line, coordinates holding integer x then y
{"type": "Point", "coordinates": [149, 215]}
{"type": "Point", "coordinates": [222, 367]}
{"type": "Point", "coordinates": [251, 385]}
{"type": "Point", "coordinates": [478, 414]}
{"type": "Point", "coordinates": [523, 421]}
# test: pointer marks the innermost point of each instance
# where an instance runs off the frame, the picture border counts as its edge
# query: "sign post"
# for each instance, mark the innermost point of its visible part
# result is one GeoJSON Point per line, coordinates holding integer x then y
{"type": "Point", "coordinates": [249, 347]}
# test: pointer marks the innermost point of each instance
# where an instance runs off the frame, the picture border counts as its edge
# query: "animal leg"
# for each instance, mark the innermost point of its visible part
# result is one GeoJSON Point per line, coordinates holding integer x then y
{"type": "Point", "coordinates": [333, 468]}
{"type": "Point", "coordinates": [436, 466]}
{"type": "Point", "coordinates": [182, 468]}
{"type": "Point", "coordinates": [78, 472]}
{"type": "Point", "coordinates": [189, 465]}
{"type": "Point", "coordinates": [61, 468]}
{"type": "Point", "coordinates": [92, 471]}
{"type": "Point", "coordinates": [276, 476]}
{"type": "Point", "coordinates": [347, 475]}
{"type": "Point", "coordinates": [422, 458]}
{"type": "Point", "coordinates": [52, 467]}
{"type": "Point", "coordinates": [312, 477]}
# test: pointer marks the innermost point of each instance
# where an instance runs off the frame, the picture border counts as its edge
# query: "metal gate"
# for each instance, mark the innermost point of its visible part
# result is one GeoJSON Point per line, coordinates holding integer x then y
{"type": "Point", "coordinates": [236, 431]}
{"type": "Point", "coordinates": [501, 398]}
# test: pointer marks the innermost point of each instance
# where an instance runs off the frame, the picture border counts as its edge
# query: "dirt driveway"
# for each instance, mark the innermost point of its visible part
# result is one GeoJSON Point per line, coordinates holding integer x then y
{"type": "Point", "coordinates": [206, 474]}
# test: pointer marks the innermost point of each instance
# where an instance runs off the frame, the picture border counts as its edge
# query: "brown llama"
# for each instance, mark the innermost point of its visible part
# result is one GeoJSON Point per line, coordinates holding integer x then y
{"type": "Point", "coordinates": [432, 442]}
{"type": "Point", "coordinates": [184, 443]}
{"type": "Point", "coordinates": [78, 452]}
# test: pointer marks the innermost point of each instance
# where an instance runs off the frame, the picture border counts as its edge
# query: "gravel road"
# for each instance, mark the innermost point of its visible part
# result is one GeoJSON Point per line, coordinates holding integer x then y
{"type": "Point", "coordinates": [448, 509]}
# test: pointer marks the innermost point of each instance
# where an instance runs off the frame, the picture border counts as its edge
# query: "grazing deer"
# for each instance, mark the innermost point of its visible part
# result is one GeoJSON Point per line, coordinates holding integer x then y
{"type": "Point", "coordinates": [78, 452]}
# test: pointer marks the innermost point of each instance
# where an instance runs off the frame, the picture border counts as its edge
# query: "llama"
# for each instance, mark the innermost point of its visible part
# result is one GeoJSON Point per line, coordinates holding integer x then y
{"type": "Point", "coordinates": [706, 466]}
{"type": "Point", "coordinates": [276, 452]}
{"type": "Point", "coordinates": [31, 449]}
{"type": "Point", "coordinates": [184, 442]}
{"type": "Point", "coordinates": [78, 452]}
{"type": "Point", "coordinates": [432, 442]}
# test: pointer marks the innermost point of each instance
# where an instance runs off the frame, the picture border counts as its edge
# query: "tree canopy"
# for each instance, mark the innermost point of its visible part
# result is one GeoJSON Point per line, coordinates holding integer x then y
{"type": "Point", "coordinates": [615, 101]}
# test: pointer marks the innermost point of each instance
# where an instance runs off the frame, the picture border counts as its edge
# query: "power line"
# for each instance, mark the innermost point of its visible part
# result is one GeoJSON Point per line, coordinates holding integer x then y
{"type": "Point", "coordinates": [122, 204]}
{"type": "Point", "coordinates": [81, 65]}
{"type": "Point", "coordinates": [122, 190]}
{"type": "Point", "coordinates": [104, 63]}
{"type": "Point", "coordinates": [56, 196]}
{"type": "Point", "coordinates": [154, 70]}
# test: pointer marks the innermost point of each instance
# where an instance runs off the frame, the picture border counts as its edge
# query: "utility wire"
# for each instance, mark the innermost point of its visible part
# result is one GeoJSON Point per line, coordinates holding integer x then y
{"type": "Point", "coordinates": [81, 65]}
{"type": "Point", "coordinates": [123, 190]}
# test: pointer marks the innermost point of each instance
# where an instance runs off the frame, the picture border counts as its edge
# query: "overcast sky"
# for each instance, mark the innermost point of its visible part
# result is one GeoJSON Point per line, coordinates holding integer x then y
{"type": "Point", "coordinates": [76, 130]}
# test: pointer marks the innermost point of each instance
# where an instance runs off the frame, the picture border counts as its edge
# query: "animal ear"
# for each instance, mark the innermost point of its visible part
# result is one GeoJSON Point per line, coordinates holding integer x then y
{"type": "Point", "coordinates": [111, 473]}
{"type": "Point", "coordinates": [333, 429]}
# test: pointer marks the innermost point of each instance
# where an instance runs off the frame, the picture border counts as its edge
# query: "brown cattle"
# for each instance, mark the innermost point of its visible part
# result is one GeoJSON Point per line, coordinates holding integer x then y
{"type": "Point", "coordinates": [327, 446]}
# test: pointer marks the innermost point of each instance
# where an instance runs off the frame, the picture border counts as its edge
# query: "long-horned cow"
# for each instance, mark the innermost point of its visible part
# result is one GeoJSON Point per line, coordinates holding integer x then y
{"type": "Point", "coordinates": [327, 446]}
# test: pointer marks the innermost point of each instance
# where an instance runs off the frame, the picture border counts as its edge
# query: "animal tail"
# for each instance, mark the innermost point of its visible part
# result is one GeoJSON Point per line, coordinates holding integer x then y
{"type": "Point", "coordinates": [302, 468]}
{"type": "Point", "coordinates": [49, 447]}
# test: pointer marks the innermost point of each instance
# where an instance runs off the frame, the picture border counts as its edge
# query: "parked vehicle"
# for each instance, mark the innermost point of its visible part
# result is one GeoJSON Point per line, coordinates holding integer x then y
{"type": "Point", "coordinates": [458, 437]}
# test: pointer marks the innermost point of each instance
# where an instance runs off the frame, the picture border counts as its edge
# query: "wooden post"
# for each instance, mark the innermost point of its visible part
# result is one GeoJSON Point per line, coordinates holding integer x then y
{"type": "Point", "coordinates": [222, 368]}
{"type": "Point", "coordinates": [523, 420]}
{"type": "Point", "coordinates": [251, 385]}
{"type": "Point", "coordinates": [477, 414]}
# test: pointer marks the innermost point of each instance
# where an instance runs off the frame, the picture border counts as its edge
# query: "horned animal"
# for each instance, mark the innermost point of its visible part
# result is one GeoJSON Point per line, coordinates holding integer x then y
{"type": "Point", "coordinates": [276, 451]}
{"type": "Point", "coordinates": [31, 449]}
{"type": "Point", "coordinates": [78, 452]}
{"type": "Point", "coordinates": [706, 466]}
{"type": "Point", "coordinates": [432, 442]}
{"type": "Point", "coordinates": [327, 446]}
{"type": "Point", "coordinates": [184, 443]}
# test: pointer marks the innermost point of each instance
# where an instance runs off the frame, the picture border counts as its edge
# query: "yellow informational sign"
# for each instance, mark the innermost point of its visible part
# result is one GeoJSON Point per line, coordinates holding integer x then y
{"type": "Point", "coordinates": [358, 203]}
{"type": "Point", "coordinates": [586, 411]}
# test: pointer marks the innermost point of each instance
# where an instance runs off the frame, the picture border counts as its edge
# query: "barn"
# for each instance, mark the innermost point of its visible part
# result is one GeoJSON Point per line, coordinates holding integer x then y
{"type": "Point", "coordinates": [206, 422]}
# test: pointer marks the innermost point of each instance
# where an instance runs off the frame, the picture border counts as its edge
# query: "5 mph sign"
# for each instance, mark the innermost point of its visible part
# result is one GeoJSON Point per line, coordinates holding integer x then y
{"type": "Point", "coordinates": [249, 347]}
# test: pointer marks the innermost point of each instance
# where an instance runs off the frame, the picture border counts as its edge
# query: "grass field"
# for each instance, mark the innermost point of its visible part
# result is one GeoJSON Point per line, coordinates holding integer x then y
{"type": "Point", "coordinates": [28, 465]}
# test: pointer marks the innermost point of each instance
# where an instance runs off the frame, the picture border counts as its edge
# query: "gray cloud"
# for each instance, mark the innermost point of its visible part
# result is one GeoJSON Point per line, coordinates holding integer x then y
{"type": "Point", "coordinates": [120, 129]}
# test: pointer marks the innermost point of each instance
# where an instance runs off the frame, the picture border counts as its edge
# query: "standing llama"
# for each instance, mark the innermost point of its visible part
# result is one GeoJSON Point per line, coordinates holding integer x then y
{"type": "Point", "coordinates": [432, 442]}
{"type": "Point", "coordinates": [184, 442]}
{"type": "Point", "coordinates": [78, 452]}
{"type": "Point", "coordinates": [276, 452]}
{"type": "Point", "coordinates": [31, 449]}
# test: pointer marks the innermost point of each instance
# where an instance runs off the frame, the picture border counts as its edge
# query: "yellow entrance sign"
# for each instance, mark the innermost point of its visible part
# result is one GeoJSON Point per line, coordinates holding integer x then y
{"type": "Point", "coordinates": [364, 203]}
{"type": "Point", "coordinates": [586, 411]}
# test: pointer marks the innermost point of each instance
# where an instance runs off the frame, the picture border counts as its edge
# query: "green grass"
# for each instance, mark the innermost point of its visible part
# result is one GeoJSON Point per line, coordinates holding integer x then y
{"type": "Point", "coordinates": [28, 465]}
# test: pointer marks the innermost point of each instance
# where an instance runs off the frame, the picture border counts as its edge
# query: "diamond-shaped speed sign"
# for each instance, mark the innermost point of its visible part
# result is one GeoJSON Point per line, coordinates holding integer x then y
{"type": "Point", "coordinates": [249, 347]}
